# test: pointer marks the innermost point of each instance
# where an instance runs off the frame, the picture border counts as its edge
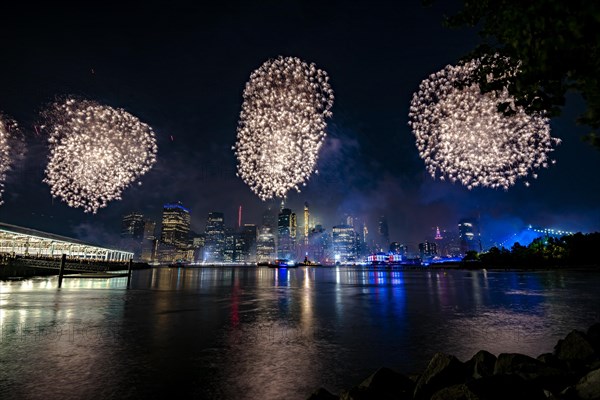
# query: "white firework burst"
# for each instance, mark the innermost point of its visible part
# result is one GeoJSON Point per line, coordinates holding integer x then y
{"type": "Point", "coordinates": [461, 135]}
{"type": "Point", "coordinates": [10, 137]}
{"type": "Point", "coordinates": [282, 125]}
{"type": "Point", "coordinates": [96, 151]}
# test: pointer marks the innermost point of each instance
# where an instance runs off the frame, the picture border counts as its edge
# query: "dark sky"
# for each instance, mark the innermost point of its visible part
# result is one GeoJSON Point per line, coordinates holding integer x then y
{"type": "Point", "coordinates": [182, 68]}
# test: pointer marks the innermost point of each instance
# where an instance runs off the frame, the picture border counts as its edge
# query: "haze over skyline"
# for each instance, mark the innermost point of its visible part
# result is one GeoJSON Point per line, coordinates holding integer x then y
{"type": "Point", "coordinates": [183, 69]}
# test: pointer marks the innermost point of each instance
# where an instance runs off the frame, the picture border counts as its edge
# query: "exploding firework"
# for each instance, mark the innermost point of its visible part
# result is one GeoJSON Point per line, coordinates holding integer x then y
{"type": "Point", "coordinates": [96, 152]}
{"type": "Point", "coordinates": [10, 137]}
{"type": "Point", "coordinates": [463, 137]}
{"type": "Point", "coordinates": [282, 125]}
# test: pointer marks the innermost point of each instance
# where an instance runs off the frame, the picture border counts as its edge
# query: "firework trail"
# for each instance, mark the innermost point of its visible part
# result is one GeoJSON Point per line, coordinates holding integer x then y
{"type": "Point", "coordinates": [10, 149]}
{"type": "Point", "coordinates": [96, 152]}
{"type": "Point", "coordinates": [463, 137]}
{"type": "Point", "coordinates": [282, 125]}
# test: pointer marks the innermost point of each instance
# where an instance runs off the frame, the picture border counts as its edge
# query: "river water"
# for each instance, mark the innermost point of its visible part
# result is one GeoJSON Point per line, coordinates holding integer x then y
{"type": "Point", "coordinates": [252, 333]}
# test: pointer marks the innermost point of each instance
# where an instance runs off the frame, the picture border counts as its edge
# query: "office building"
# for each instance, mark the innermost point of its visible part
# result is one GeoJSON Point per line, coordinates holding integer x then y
{"type": "Point", "coordinates": [214, 246]}
{"type": "Point", "coordinates": [175, 228]}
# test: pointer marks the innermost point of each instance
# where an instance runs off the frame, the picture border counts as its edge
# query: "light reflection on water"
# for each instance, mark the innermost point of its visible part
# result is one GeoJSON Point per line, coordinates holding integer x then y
{"type": "Point", "coordinates": [270, 333]}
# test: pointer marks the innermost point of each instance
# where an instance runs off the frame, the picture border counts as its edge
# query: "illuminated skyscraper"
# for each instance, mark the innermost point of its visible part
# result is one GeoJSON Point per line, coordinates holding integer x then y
{"type": "Point", "coordinates": [133, 226]}
{"type": "Point", "coordinates": [320, 245]}
{"type": "Point", "coordinates": [306, 223]}
{"type": "Point", "coordinates": [214, 246]}
{"type": "Point", "coordinates": [468, 232]}
{"type": "Point", "coordinates": [247, 247]}
{"type": "Point", "coordinates": [398, 248]}
{"type": "Point", "coordinates": [344, 243]}
{"type": "Point", "coordinates": [175, 229]}
{"type": "Point", "coordinates": [265, 247]}
{"type": "Point", "coordinates": [427, 250]}
{"type": "Point", "coordinates": [286, 234]}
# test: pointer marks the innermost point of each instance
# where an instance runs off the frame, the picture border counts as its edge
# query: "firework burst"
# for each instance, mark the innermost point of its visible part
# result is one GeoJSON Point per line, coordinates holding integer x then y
{"type": "Point", "coordinates": [10, 138]}
{"type": "Point", "coordinates": [282, 125]}
{"type": "Point", "coordinates": [463, 137]}
{"type": "Point", "coordinates": [96, 152]}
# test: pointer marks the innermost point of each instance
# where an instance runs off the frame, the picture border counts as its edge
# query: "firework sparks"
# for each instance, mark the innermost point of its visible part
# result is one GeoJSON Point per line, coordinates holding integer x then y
{"type": "Point", "coordinates": [463, 137]}
{"type": "Point", "coordinates": [96, 152]}
{"type": "Point", "coordinates": [10, 137]}
{"type": "Point", "coordinates": [282, 125]}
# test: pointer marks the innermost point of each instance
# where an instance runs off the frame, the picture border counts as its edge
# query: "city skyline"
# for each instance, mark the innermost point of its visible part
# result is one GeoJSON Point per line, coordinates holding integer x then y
{"type": "Point", "coordinates": [278, 234]}
{"type": "Point", "coordinates": [368, 164]}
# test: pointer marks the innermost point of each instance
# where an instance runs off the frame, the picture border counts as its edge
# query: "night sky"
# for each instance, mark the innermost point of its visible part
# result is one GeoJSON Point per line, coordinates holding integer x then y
{"type": "Point", "coordinates": [182, 69]}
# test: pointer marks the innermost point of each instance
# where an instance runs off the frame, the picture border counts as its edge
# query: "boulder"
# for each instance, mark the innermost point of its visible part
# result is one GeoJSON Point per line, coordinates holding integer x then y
{"type": "Point", "coordinates": [575, 348]}
{"type": "Point", "coordinates": [455, 392]}
{"type": "Point", "coordinates": [322, 394]}
{"type": "Point", "coordinates": [443, 371]}
{"type": "Point", "coordinates": [480, 365]}
{"type": "Point", "coordinates": [356, 393]}
{"type": "Point", "coordinates": [550, 360]}
{"type": "Point", "coordinates": [534, 371]}
{"type": "Point", "coordinates": [588, 387]}
{"type": "Point", "coordinates": [519, 364]}
{"type": "Point", "coordinates": [386, 383]}
{"type": "Point", "coordinates": [593, 335]}
{"type": "Point", "coordinates": [502, 387]}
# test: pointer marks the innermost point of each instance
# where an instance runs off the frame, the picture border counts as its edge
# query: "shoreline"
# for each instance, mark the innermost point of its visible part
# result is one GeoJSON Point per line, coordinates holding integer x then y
{"type": "Point", "coordinates": [570, 372]}
{"type": "Point", "coordinates": [25, 272]}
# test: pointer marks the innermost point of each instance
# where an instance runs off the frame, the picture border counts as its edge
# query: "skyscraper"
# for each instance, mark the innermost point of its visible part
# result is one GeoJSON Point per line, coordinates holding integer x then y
{"type": "Point", "coordinates": [468, 233]}
{"type": "Point", "coordinates": [306, 223]}
{"type": "Point", "coordinates": [133, 226]}
{"type": "Point", "coordinates": [149, 242]}
{"type": "Point", "coordinates": [384, 235]}
{"type": "Point", "coordinates": [215, 237]}
{"type": "Point", "coordinates": [286, 234]}
{"type": "Point", "coordinates": [269, 220]}
{"type": "Point", "coordinates": [427, 250]}
{"type": "Point", "coordinates": [175, 228]}
{"type": "Point", "coordinates": [344, 243]}
{"type": "Point", "coordinates": [149, 229]}
{"type": "Point", "coordinates": [265, 247]}
{"type": "Point", "coordinates": [320, 245]}
{"type": "Point", "coordinates": [248, 244]}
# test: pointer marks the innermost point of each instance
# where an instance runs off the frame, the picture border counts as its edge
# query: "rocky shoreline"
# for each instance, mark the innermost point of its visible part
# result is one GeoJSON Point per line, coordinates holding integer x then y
{"type": "Point", "coordinates": [570, 372]}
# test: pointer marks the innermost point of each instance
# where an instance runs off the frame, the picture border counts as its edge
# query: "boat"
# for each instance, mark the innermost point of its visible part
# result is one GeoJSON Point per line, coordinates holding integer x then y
{"type": "Point", "coordinates": [283, 263]}
{"type": "Point", "coordinates": [308, 263]}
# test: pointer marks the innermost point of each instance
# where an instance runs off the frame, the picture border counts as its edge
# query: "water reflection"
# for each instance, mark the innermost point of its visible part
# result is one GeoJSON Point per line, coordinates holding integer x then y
{"type": "Point", "coordinates": [270, 333]}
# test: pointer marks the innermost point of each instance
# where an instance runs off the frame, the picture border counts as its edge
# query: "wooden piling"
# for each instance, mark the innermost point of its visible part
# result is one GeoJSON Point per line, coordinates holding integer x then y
{"type": "Point", "coordinates": [129, 273]}
{"type": "Point", "coordinates": [61, 272]}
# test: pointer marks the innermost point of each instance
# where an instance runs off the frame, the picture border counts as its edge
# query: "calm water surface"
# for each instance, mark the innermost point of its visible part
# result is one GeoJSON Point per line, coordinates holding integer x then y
{"type": "Point", "coordinates": [249, 333]}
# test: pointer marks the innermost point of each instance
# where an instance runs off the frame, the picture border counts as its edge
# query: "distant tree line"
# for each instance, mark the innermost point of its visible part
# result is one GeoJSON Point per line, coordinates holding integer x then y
{"type": "Point", "coordinates": [572, 250]}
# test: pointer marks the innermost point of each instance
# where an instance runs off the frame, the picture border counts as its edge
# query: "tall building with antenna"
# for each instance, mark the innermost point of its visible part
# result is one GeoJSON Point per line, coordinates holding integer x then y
{"type": "Point", "coordinates": [306, 223]}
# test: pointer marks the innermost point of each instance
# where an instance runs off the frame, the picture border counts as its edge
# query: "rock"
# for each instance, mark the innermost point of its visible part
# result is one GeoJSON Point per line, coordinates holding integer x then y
{"type": "Point", "coordinates": [455, 392]}
{"type": "Point", "coordinates": [481, 364]}
{"type": "Point", "coordinates": [593, 335]}
{"type": "Point", "coordinates": [322, 394]}
{"type": "Point", "coordinates": [568, 393]}
{"type": "Point", "coordinates": [414, 377]}
{"type": "Point", "coordinates": [588, 387]}
{"type": "Point", "coordinates": [574, 348]}
{"type": "Point", "coordinates": [387, 383]}
{"type": "Point", "coordinates": [514, 363]}
{"type": "Point", "coordinates": [534, 371]}
{"type": "Point", "coordinates": [443, 371]}
{"type": "Point", "coordinates": [550, 360]}
{"type": "Point", "coordinates": [502, 387]}
{"type": "Point", "coordinates": [356, 393]}
{"type": "Point", "coordinates": [549, 395]}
